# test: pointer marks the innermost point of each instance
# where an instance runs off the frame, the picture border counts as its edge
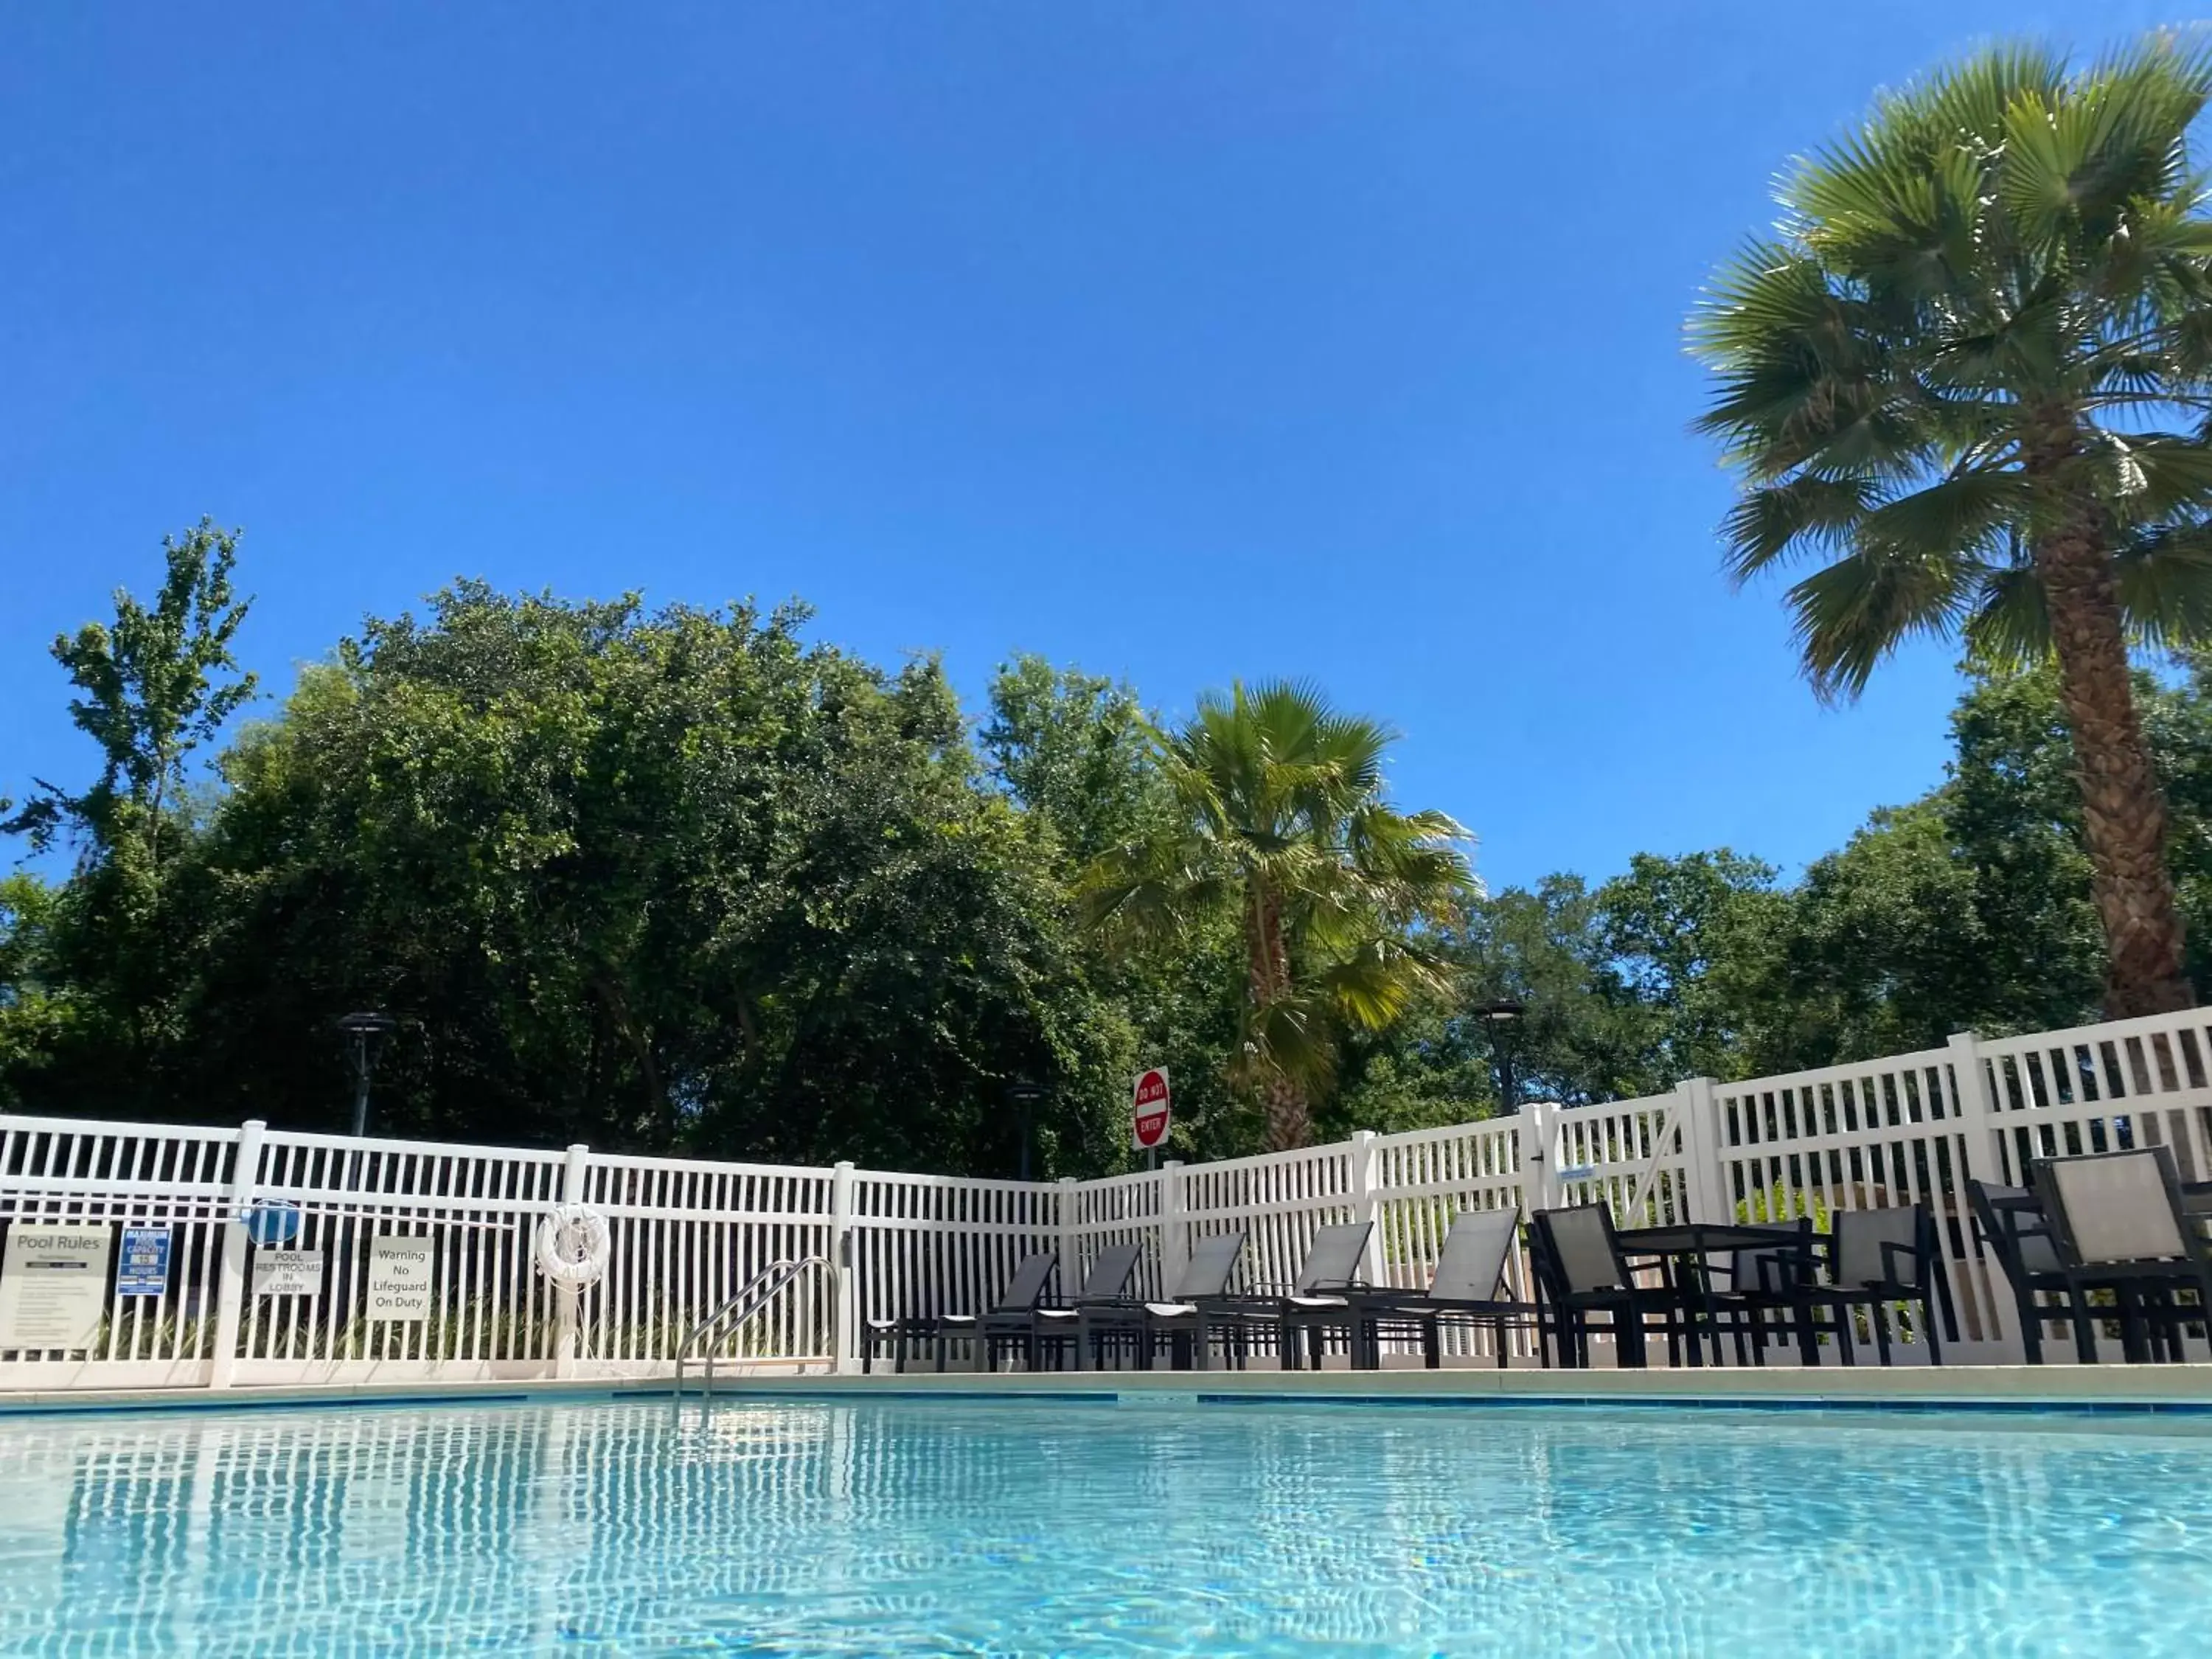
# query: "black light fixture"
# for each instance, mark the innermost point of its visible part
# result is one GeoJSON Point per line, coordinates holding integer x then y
{"type": "Point", "coordinates": [1023, 1096]}
{"type": "Point", "coordinates": [1502, 1019]}
{"type": "Point", "coordinates": [365, 1035]}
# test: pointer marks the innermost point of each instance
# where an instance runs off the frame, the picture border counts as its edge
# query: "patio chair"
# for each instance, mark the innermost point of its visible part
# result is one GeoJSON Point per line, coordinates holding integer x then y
{"type": "Point", "coordinates": [1330, 1269]}
{"type": "Point", "coordinates": [2012, 1223]}
{"type": "Point", "coordinates": [1878, 1258]}
{"type": "Point", "coordinates": [1034, 1329]}
{"type": "Point", "coordinates": [1463, 1289]}
{"type": "Point", "coordinates": [1581, 1273]}
{"type": "Point", "coordinates": [1140, 1325]}
{"type": "Point", "coordinates": [1032, 1275]}
{"type": "Point", "coordinates": [2120, 1224]}
{"type": "Point", "coordinates": [1770, 1282]}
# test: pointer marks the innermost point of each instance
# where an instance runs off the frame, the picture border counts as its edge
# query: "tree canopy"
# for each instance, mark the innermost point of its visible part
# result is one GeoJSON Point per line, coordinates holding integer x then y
{"type": "Point", "coordinates": [686, 880]}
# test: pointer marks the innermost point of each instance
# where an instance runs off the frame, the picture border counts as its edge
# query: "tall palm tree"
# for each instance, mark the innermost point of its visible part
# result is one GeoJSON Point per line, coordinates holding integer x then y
{"type": "Point", "coordinates": [1283, 821]}
{"type": "Point", "coordinates": [1969, 375]}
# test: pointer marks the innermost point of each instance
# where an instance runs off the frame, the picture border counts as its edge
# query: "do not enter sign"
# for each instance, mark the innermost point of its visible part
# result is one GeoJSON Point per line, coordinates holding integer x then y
{"type": "Point", "coordinates": [1150, 1117]}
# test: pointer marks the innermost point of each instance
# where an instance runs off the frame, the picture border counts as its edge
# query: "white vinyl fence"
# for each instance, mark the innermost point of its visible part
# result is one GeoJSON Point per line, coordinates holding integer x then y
{"type": "Point", "coordinates": [687, 1235]}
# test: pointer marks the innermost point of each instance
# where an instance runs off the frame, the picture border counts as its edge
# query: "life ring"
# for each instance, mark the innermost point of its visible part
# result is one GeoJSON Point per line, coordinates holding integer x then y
{"type": "Point", "coordinates": [572, 1244]}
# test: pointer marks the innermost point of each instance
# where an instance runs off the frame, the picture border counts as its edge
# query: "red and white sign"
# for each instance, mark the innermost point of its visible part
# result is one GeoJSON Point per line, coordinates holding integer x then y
{"type": "Point", "coordinates": [1150, 1115]}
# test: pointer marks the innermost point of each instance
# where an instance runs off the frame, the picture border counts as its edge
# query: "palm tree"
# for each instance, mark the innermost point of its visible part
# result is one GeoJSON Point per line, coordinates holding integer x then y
{"type": "Point", "coordinates": [1949, 377]}
{"type": "Point", "coordinates": [1282, 821]}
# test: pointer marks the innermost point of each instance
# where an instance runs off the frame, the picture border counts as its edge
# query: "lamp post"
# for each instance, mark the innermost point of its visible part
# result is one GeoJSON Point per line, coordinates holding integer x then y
{"type": "Point", "coordinates": [367, 1033]}
{"type": "Point", "coordinates": [1502, 1019]}
{"type": "Point", "coordinates": [1023, 1096]}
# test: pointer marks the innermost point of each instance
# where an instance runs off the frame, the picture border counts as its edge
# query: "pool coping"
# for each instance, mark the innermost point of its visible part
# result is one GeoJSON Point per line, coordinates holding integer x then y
{"type": "Point", "coordinates": [2182, 1389]}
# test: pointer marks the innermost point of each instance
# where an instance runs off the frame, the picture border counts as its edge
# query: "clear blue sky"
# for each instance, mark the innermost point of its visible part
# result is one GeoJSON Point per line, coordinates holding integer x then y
{"type": "Point", "coordinates": [1178, 341]}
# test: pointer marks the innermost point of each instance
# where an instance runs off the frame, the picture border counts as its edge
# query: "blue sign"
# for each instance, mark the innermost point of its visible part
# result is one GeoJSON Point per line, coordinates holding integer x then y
{"type": "Point", "coordinates": [145, 1267]}
{"type": "Point", "coordinates": [273, 1223]}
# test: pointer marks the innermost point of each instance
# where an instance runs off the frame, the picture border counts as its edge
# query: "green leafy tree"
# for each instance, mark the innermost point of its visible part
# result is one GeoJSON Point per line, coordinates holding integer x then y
{"type": "Point", "coordinates": [1953, 377]}
{"type": "Point", "coordinates": [1076, 752]}
{"type": "Point", "coordinates": [1582, 1035]}
{"type": "Point", "coordinates": [150, 690]}
{"type": "Point", "coordinates": [669, 880]}
{"type": "Point", "coordinates": [1698, 939]}
{"type": "Point", "coordinates": [35, 1014]}
{"type": "Point", "coordinates": [1282, 823]}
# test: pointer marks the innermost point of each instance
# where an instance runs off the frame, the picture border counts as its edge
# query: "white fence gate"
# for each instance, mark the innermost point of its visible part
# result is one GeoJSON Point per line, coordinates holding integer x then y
{"type": "Point", "coordinates": [687, 1234]}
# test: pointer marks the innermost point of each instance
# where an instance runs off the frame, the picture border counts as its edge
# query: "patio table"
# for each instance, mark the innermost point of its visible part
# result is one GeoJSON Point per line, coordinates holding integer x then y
{"type": "Point", "coordinates": [1687, 1244]}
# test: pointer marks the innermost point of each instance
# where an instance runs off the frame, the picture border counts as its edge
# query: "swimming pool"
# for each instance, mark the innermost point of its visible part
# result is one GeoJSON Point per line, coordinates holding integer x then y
{"type": "Point", "coordinates": [1034, 1527]}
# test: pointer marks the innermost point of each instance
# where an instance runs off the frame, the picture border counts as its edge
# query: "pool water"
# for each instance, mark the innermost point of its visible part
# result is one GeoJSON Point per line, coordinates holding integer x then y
{"type": "Point", "coordinates": [1011, 1527]}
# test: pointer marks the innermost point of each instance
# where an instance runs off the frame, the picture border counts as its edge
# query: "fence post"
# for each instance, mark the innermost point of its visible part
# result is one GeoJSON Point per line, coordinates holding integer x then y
{"type": "Point", "coordinates": [1364, 1205]}
{"type": "Point", "coordinates": [1539, 1134]}
{"type": "Point", "coordinates": [1707, 1195]}
{"type": "Point", "coordinates": [1174, 1226]}
{"type": "Point", "coordinates": [843, 1248]}
{"type": "Point", "coordinates": [1978, 1111]}
{"type": "Point", "coordinates": [565, 1298]}
{"type": "Point", "coordinates": [230, 1278]}
{"type": "Point", "coordinates": [1071, 1257]}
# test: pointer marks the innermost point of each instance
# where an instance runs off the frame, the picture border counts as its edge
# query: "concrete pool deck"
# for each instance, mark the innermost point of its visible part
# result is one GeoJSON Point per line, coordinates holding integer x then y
{"type": "Point", "coordinates": [2183, 1389]}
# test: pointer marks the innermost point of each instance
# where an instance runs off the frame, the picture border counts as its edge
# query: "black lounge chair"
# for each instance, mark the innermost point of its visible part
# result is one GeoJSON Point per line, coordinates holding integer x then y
{"type": "Point", "coordinates": [1032, 1331]}
{"type": "Point", "coordinates": [2012, 1225]}
{"type": "Point", "coordinates": [1330, 1270]}
{"type": "Point", "coordinates": [1464, 1290]}
{"type": "Point", "coordinates": [1140, 1325]}
{"type": "Point", "coordinates": [2121, 1224]}
{"type": "Point", "coordinates": [1022, 1293]}
{"type": "Point", "coordinates": [1877, 1258]}
{"type": "Point", "coordinates": [1582, 1275]}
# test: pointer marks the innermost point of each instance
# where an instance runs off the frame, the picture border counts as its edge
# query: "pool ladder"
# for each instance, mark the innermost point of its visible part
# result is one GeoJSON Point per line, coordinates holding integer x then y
{"type": "Point", "coordinates": [758, 1291]}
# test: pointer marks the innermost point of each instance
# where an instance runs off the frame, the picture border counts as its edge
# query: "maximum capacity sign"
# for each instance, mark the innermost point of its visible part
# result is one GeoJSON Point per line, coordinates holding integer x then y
{"type": "Point", "coordinates": [1149, 1113]}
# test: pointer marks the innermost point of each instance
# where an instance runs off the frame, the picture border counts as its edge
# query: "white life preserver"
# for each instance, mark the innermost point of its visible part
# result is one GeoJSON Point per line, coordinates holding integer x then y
{"type": "Point", "coordinates": [572, 1244]}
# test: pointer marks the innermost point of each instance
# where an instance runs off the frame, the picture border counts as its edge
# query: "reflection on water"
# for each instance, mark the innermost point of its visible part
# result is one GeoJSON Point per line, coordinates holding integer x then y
{"type": "Point", "coordinates": [1029, 1527]}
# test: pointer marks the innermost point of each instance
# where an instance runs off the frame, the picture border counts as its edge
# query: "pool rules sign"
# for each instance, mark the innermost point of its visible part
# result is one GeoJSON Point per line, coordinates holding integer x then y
{"type": "Point", "coordinates": [1149, 1115]}
{"type": "Point", "coordinates": [53, 1285]}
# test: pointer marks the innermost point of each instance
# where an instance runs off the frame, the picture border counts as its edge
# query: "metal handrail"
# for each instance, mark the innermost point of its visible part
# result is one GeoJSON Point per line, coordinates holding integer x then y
{"type": "Point", "coordinates": [755, 1295]}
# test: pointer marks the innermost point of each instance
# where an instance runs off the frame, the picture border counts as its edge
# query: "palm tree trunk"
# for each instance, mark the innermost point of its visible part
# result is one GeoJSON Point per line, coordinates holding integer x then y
{"type": "Point", "coordinates": [1267, 968]}
{"type": "Point", "coordinates": [1290, 1121]}
{"type": "Point", "coordinates": [2122, 808]}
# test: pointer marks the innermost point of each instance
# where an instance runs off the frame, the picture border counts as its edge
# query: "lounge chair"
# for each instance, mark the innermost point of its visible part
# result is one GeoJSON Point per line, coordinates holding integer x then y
{"type": "Point", "coordinates": [2012, 1225]}
{"type": "Point", "coordinates": [2121, 1224]}
{"type": "Point", "coordinates": [1877, 1258]}
{"type": "Point", "coordinates": [1463, 1289]}
{"type": "Point", "coordinates": [1022, 1293]}
{"type": "Point", "coordinates": [1140, 1325]}
{"type": "Point", "coordinates": [1330, 1270]}
{"type": "Point", "coordinates": [1034, 1329]}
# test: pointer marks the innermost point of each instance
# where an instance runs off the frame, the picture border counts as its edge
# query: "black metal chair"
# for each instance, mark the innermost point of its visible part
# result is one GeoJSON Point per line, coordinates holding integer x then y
{"type": "Point", "coordinates": [1463, 1291]}
{"type": "Point", "coordinates": [2121, 1224]}
{"type": "Point", "coordinates": [1877, 1258]}
{"type": "Point", "coordinates": [2012, 1225]}
{"type": "Point", "coordinates": [1032, 1275]}
{"type": "Point", "coordinates": [1043, 1329]}
{"type": "Point", "coordinates": [1580, 1274]}
{"type": "Point", "coordinates": [1770, 1294]}
{"type": "Point", "coordinates": [1140, 1325]}
{"type": "Point", "coordinates": [1331, 1267]}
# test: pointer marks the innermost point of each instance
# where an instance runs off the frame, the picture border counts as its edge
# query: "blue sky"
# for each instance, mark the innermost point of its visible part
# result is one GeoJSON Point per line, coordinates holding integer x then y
{"type": "Point", "coordinates": [1180, 342]}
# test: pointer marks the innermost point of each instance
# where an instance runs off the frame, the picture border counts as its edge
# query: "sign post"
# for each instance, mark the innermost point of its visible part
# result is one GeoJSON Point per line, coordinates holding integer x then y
{"type": "Point", "coordinates": [1150, 1115]}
